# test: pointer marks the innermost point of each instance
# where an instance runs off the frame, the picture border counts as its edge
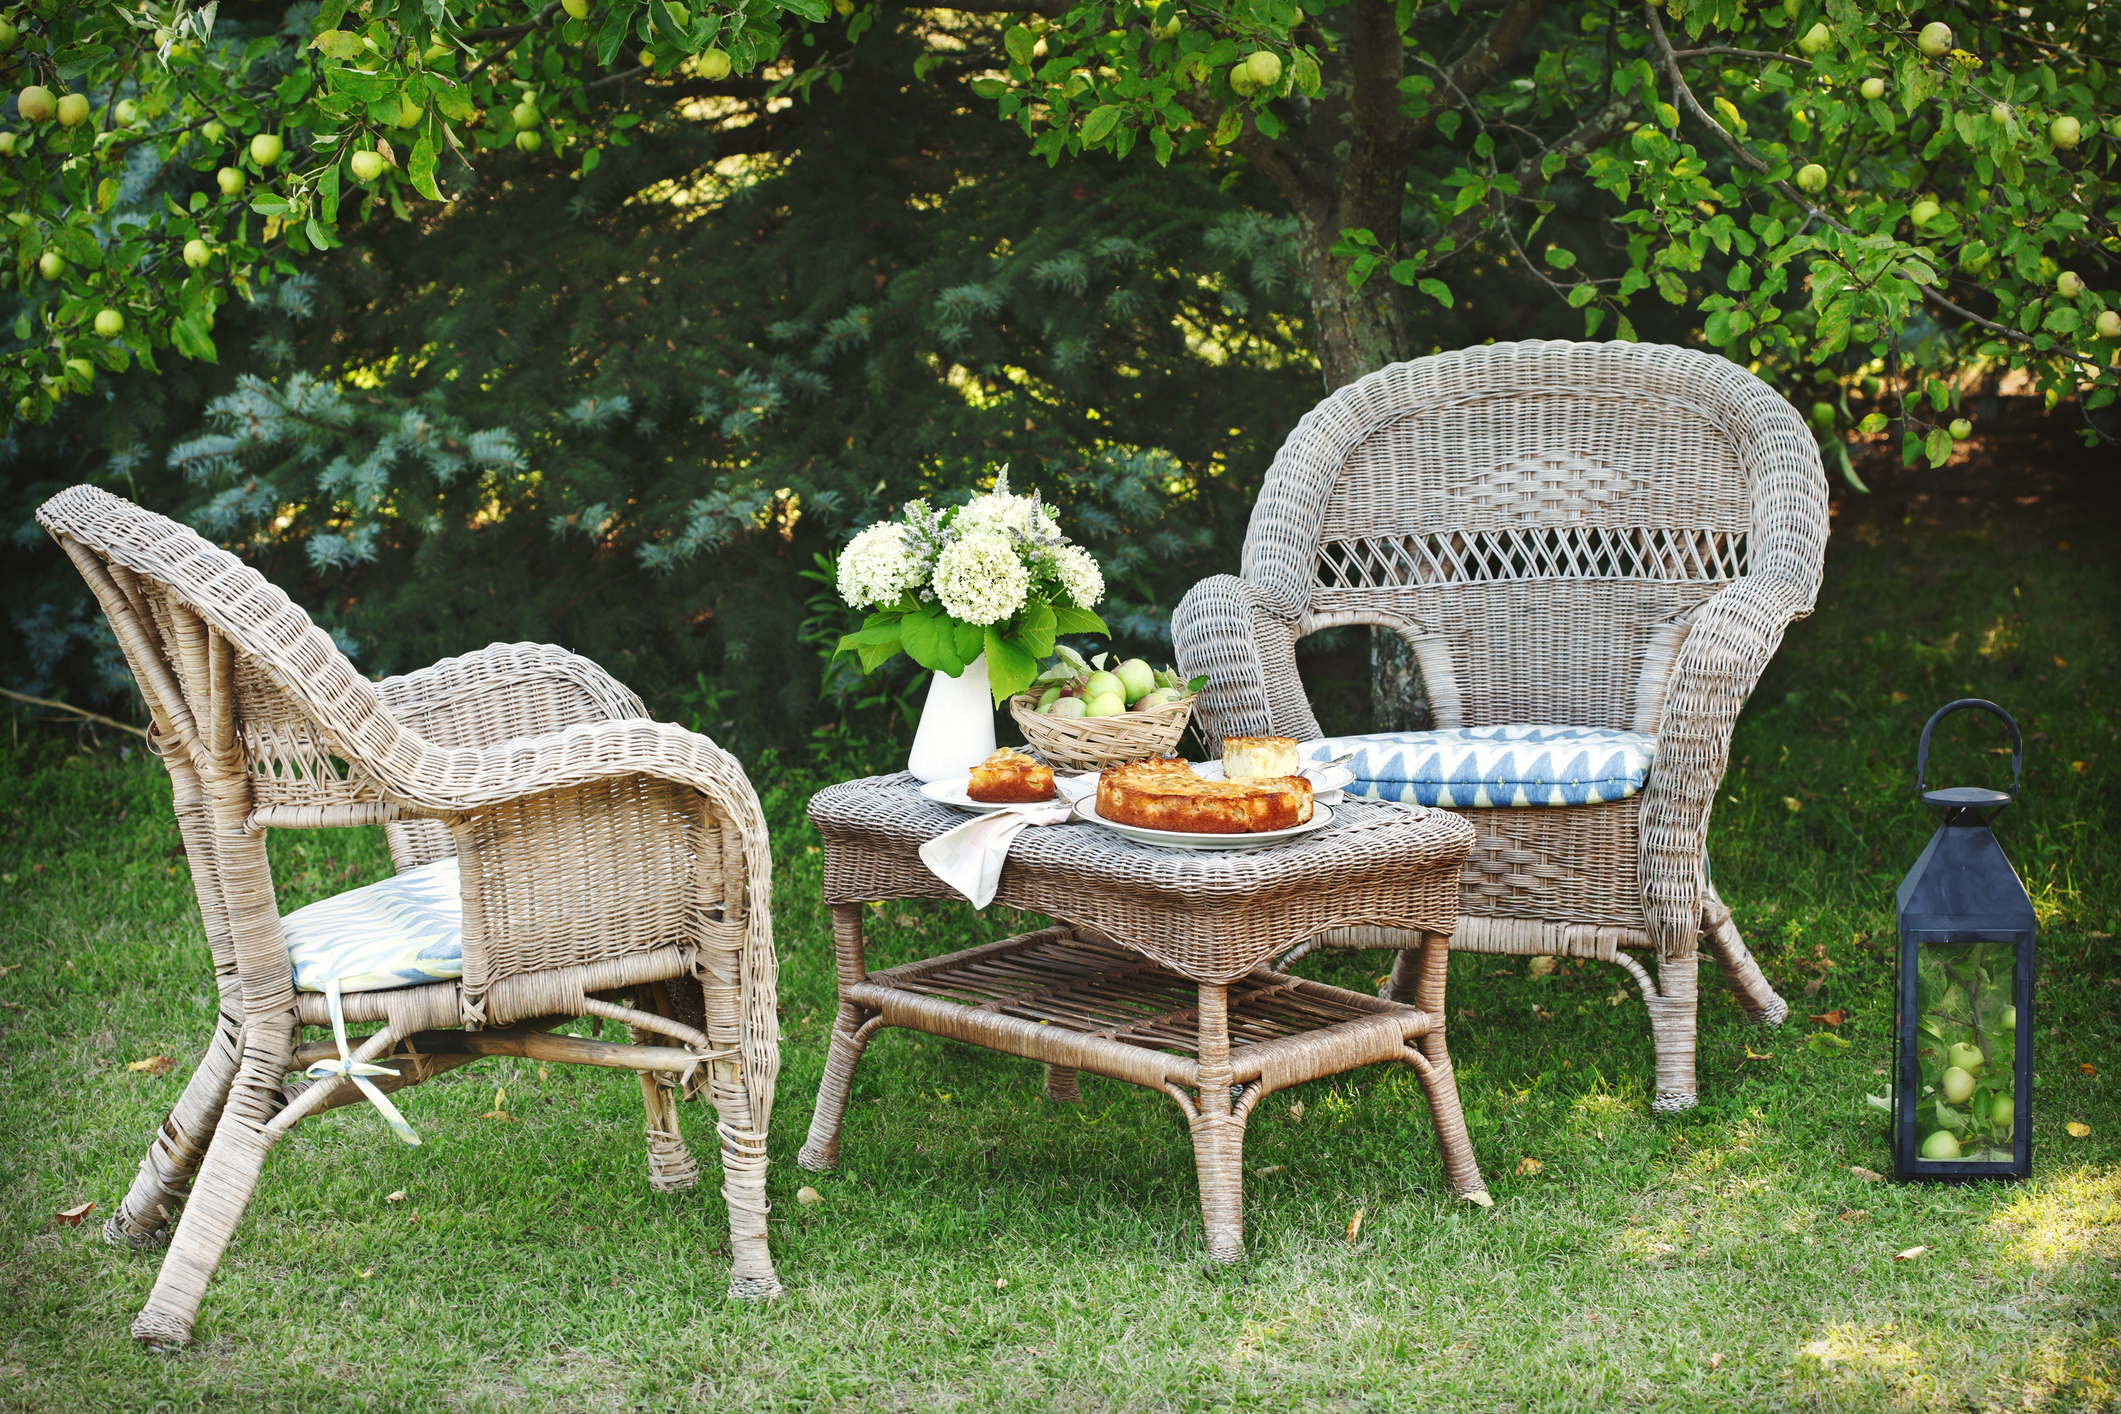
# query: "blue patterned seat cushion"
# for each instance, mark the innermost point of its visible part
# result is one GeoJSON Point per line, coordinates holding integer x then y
{"type": "Point", "coordinates": [1491, 766]}
{"type": "Point", "coordinates": [404, 931]}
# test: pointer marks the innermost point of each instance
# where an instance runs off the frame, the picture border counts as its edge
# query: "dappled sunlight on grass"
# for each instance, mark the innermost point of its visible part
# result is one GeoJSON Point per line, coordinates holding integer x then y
{"type": "Point", "coordinates": [2060, 1219]}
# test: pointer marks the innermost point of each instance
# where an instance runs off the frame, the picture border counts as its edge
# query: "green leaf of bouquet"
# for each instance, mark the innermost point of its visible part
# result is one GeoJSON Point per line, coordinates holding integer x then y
{"type": "Point", "coordinates": [1069, 619]}
{"type": "Point", "coordinates": [1196, 682]}
{"type": "Point", "coordinates": [971, 640]}
{"type": "Point", "coordinates": [1035, 628]}
{"type": "Point", "coordinates": [1010, 666]}
{"type": "Point", "coordinates": [875, 655]}
{"type": "Point", "coordinates": [931, 641]}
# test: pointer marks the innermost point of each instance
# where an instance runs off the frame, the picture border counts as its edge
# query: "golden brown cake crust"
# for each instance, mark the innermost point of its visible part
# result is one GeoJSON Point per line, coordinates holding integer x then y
{"type": "Point", "coordinates": [1167, 795]}
{"type": "Point", "coordinates": [1010, 778]}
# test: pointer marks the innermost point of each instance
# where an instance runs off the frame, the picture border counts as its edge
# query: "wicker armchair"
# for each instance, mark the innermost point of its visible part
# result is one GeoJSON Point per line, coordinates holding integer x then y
{"type": "Point", "coordinates": [1609, 536]}
{"type": "Point", "coordinates": [602, 857]}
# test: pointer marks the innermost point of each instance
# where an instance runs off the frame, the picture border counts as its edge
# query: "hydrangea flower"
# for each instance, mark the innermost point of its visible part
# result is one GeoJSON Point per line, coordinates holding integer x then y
{"type": "Point", "coordinates": [980, 580]}
{"type": "Point", "coordinates": [1078, 573]}
{"type": "Point", "coordinates": [878, 566]}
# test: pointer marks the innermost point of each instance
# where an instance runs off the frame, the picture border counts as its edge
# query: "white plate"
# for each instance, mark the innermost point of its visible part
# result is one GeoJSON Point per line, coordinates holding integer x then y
{"type": "Point", "coordinates": [1321, 816]}
{"type": "Point", "coordinates": [950, 790]}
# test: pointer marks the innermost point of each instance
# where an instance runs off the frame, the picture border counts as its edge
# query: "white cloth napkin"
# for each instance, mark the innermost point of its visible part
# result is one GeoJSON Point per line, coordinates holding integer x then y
{"type": "Point", "coordinates": [969, 857]}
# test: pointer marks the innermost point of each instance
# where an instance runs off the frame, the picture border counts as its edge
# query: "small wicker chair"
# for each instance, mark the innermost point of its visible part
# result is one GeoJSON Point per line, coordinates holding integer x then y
{"type": "Point", "coordinates": [602, 856]}
{"type": "Point", "coordinates": [1608, 536]}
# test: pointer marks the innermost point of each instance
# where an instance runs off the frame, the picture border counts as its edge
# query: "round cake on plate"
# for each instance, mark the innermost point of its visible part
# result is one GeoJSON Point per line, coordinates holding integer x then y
{"type": "Point", "coordinates": [1167, 795]}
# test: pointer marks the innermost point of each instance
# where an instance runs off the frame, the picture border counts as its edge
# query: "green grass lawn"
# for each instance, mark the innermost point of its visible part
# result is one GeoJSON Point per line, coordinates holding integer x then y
{"type": "Point", "coordinates": [983, 1248]}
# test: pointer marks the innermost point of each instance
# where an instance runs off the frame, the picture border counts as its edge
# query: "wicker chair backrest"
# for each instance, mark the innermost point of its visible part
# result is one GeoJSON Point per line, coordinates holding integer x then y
{"type": "Point", "coordinates": [1539, 519]}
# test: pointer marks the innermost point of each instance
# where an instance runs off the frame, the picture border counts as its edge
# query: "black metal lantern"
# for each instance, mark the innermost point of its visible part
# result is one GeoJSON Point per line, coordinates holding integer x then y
{"type": "Point", "coordinates": [1963, 1065]}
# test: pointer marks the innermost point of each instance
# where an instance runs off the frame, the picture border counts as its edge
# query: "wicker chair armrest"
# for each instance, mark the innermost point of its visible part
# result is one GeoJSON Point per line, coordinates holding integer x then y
{"type": "Point", "coordinates": [1228, 629]}
{"type": "Point", "coordinates": [506, 690]}
{"type": "Point", "coordinates": [1733, 637]}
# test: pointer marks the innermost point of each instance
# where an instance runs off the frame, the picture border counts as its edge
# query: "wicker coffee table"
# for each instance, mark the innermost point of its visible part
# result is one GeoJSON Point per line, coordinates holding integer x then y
{"type": "Point", "coordinates": [1157, 972]}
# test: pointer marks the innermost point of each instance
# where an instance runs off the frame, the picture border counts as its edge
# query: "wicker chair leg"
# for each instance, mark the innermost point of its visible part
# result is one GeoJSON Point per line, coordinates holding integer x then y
{"type": "Point", "coordinates": [1740, 973]}
{"type": "Point", "coordinates": [751, 1274]}
{"type": "Point", "coordinates": [173, 1157]}
{"type": "Point", "coordinates": [671, 1167]}
{"type": "Point", "coordinates": [1405, 982]}
{"type": "Point", "coordinates": [850, 1037]}
{"type": "Point", "coordinates": [1460, 1165]}
{"type": "Point", "coordinates": [1060, 1085]}
{"type": "Point", "coordinates": [1672, 1006]}
{"type": "Point", "coordinates": [222, 1191]}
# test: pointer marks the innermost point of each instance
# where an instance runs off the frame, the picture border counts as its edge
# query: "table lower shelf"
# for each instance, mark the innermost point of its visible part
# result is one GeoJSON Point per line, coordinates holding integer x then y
{"type": "Point", "coordinates": [1091, 1005]}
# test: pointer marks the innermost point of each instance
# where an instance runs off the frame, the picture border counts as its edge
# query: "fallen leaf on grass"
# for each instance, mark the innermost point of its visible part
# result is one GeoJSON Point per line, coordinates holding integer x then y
{"type": "Point", "coordinates": [1541, 966]}
{"type": "Point", "coordinates": [1296, 1112]}
{"type": "Point", "coordinates": [2088, 1068]}
{"type": "Point", "coordinates": [6, 968]}
{"type": "Point", "coordinates": [2080, 767]}
{"type": "Point", "coordinates": [396, 1197]}
{"type": "Point", "coordinates": [499, 1110]}
{"type": "Point", "coordinates": [1881, 1102]}
{"type": "Point", "coordinates": [1792, 804]}
{"type": "Point", "coordinates": [1832, 1018]}
{"type": "Point", "coordinates": [1620, 994]}
{"type": "Point", "coordinates": [1268, 1172]}
{"type": "Point", "coordinates": [1867, 1175]}
{"type": "Point", "coordinates": [1716, 1361]}
{"type": "Point", "coordinates": [1753, 1055]}
{"type": "Point", "coordinates": [1811, 988]}
{"type": "Point", "coordinates": [1854, 1215]}
{"type": "Point", "coordinates": [1826, 1042]}
{"type": "Point", "coordinates": [2078, 1129]}
{"type": "Point", "coordinates": [71, 1217]}
{"type": "Point", "coordinates": [153, 1065]}
{"type": "Point", "coordinates": [1530, 1167]}
{"type": "Point", "coordinates": [1355, 1225]}
{"type": "Point", "coordinates": [809, 1197]}
{"type": "Point", "coordinates": [1910, 1255]}
{"type": "Point", "coordinates": [1001, 1283]}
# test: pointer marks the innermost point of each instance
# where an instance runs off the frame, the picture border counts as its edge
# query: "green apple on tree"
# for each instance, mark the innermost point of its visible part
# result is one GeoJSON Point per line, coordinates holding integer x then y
{"type": "Point", "coordinates": [109, 323]}
{"type": "Point", "coordinates": [7, 144]}
{"type": "Point", "coordinates": [526, 115]}
{"type": "Point", "coordinates": [36, 103]}
{"type": "Point", "coordinates": [1935, 39]}
{"type": "Point", "coordinates": [1873, 88]}
{"type": "Point", "coordinates": [2065, 132]}
{"type": "Point", "coordinates": [51, 265]}
{"type": "Point", "coordinates": [124, 114]}
{"type": "Point", "coordinates": [2069, 284]}
{"type": "Point", "coordinates": [1811, 178]}
{"type": "Point", "coordinates": [197, 253]}
{"type": "Point", "coordinates": [1923, 212]}
{"type": "Point", "coordinates": [1967, 1057]}
{"type": "Point", "coordinates": [712, 65]}
{"type": "Point", "coordinates": [529, 141]}
{"type": "Point", "coordinates": [1941, 1145]}
{"type": "Point", "coordinates": [214, 131]}
{"type": "Point", "coordinates": [10, 37]}
{"type": "Point", "coordinates": [1265, 68]}
{"type": "Point", "coordinates": [1957, 1085]}
{"type": "Point", "coordinates": [367, 165]}
{"type": "Point", "coordinates": [73, 110]}
{"type": "Point", "coordinates": [266, 149]}
{"type": "Point", "coordinates": [1961, 429]}
{"type": "Point", "coordinates": [1818, 37]}
{"type": "Point", "coordinates": [2108, 324]}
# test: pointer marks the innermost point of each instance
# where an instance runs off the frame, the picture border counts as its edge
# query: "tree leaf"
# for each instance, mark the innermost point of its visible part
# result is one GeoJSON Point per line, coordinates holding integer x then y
{"type": "Point", "coordinates": [192, 340]}
{"type": "Point", "coordinates": [1436, 290]}
{"type": "Point", "coordinates": [337, 44]}
{"type": "Point", "coordinates": [422, 169]}
{"type": "Point", "coordinates": [1099, 125]}
{"type": "Point", "coordinates": [1019, 42]}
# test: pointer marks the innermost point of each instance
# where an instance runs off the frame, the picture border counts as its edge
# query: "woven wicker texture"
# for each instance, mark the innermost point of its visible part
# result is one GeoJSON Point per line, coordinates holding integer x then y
{"type": "Point", "coordinates": [1210, 915]}
{"type": "Point", "coordinates": [1596, 535]}
{"type": "Point", "coordinates": [1092, 743]}
{"type": "Point", "coordinates": [1156, 976]}
{"type": "Point", "coordinates": [602, 855]}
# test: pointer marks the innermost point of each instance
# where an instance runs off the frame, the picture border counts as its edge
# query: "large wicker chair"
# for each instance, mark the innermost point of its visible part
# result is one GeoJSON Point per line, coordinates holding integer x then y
{"type": "Point", "coordinates": [602, 856]}
{"type": "Point", "coordinates": [1608, 536]}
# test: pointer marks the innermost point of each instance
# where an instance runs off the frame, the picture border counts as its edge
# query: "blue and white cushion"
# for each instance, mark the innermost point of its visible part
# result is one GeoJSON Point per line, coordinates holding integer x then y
{"type": "Point", "coordinates": [399, 932]}
{"type": "Point", "coordinates": [1494, 766]}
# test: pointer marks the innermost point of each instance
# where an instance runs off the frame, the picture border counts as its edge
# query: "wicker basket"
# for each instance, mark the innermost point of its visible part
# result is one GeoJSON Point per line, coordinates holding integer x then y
{"type": "Point", "coordinates": [1092, 743]}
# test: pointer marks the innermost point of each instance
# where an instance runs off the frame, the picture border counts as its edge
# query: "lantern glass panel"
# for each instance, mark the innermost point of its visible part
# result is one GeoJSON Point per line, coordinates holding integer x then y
{"type": "Point", "coordinates": [1966, 1044]}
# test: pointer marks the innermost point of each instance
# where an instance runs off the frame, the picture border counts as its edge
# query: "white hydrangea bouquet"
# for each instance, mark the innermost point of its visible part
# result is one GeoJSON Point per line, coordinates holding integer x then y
{"type": "Point", "coordinates": [994, 576]}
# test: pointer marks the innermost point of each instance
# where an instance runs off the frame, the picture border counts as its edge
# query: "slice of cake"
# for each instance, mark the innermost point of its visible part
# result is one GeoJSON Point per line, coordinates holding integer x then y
{"type": "Point", "coordinates": [1245, 757]}
{"type": "Point", "coordinates": [1167, 795]}
{"type": "Point", "coordinates": [1010, 778]}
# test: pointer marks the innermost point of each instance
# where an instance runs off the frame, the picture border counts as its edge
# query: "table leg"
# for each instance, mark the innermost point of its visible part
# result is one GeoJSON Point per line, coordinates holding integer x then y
{"type": "Point", "coordinates": [850, 1036]}
{"type": "Point", "coordinates": [1432, 1061]}
{"type": "Point", "coordinates": [1060, 1085]}
{"type": "Point", "coordinates": [1218, 1134]}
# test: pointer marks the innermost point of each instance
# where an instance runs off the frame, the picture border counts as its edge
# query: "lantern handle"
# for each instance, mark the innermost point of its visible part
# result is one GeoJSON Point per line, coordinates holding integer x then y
{"type": "Point", "coordinates": [1922, 751]}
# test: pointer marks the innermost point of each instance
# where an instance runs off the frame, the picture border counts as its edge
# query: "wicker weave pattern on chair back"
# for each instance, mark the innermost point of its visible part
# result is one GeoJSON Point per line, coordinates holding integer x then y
{"type": "Point", "coordinates": [1538, 518]}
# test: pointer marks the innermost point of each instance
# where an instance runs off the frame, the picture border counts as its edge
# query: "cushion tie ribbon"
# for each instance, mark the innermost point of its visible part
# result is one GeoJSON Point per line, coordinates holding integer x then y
{"type": "Point", "coordinates": [357, 1071]}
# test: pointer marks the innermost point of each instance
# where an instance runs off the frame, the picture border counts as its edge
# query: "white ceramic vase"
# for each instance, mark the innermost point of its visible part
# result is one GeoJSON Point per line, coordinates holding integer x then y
{"type": "Point", "coordinates": [957, 724]}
